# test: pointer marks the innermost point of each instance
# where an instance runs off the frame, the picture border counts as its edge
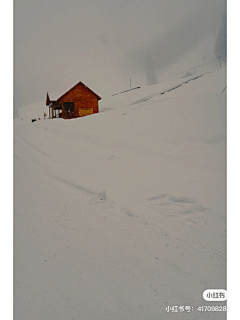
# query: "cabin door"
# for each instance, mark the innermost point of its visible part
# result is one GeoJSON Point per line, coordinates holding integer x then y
{"type": "Point", "coordinates": [68, 109]}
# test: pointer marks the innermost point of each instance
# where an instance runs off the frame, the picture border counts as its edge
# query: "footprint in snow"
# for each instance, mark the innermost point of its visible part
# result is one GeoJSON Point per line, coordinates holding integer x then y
{"type": "Point", "coordinates": [183, 199]}
{"type": "Point", "coordinates": [174, 206]}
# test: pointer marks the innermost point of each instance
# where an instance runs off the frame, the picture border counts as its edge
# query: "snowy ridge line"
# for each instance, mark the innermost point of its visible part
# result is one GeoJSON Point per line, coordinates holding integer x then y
{"type": "Point", "coordinates": [115, 94]}
{"type": "Point", "coordinates": [149, 105]}
{"type": "Point", "coordinates": [165, 91]}
{"type": "Point", "coordinates": [188, 235]}
{"type": "Point", "coordinates": [203, 64]}
{"type": "Point", "coordinates": [101, 195]}
{"type": "Point", "coordinates": [18, 138]}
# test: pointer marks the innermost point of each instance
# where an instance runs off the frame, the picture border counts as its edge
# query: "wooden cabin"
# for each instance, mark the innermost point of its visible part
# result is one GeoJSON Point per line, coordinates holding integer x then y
{"type": "Point", "coordinates": [79, 101]}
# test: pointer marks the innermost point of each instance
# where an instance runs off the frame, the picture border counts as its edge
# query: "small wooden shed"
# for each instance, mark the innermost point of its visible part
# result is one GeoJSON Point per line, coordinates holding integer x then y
{"type": "Point", "coordinates": [79, 101]}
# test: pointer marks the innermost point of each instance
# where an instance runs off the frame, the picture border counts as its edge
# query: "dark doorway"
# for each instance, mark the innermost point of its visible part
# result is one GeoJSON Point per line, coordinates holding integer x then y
{"type": "Point", "coordinates": [68, 109]}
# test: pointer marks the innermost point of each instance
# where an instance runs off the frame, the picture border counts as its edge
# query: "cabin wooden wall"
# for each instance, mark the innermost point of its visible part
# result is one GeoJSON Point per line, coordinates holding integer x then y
{"type": "Point", "coordinates": [85, 102]}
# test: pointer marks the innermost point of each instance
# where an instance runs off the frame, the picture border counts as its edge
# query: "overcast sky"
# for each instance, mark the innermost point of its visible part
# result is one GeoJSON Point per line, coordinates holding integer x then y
{"type": "Point", "coordinates": [102, 43]}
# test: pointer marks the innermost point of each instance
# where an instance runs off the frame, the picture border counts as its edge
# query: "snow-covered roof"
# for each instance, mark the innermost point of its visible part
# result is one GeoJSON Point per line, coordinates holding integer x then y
{"type": "Point", "coordinates": [82, 84]}
{"type": "Point", "coordinates": [54, 95]}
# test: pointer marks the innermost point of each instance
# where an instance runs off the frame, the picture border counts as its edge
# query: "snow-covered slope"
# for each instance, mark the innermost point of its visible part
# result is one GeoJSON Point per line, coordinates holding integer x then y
{"type": "Point", "coordinates": [123, 213]}
{"type": "Point", "coordinates": [32, 111]}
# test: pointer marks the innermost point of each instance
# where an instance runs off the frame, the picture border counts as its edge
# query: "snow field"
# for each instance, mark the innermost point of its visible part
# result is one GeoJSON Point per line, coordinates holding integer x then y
{"type": "Point", "coordinates": [123, 213]}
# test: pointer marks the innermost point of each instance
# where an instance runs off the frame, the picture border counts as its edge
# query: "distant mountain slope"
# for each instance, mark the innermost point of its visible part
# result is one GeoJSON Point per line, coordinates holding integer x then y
{"type": "Point", "coordinates": [208, 82]}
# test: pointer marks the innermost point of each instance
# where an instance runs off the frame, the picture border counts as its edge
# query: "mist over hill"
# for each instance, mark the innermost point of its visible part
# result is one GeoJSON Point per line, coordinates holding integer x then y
{"type": "Point", "coordinates": [104, 44]}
